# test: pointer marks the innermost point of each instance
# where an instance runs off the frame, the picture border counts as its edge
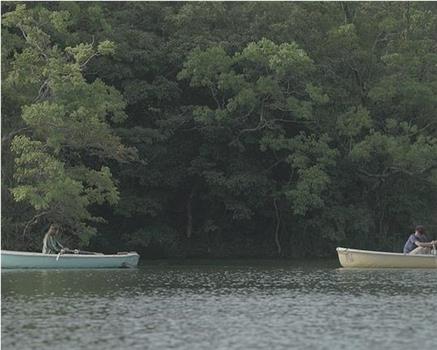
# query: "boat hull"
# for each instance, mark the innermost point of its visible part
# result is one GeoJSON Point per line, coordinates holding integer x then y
{"type": "Point", "coordinates": [354, 258]}
{"type": "Point", "coordinates": [27, 260]}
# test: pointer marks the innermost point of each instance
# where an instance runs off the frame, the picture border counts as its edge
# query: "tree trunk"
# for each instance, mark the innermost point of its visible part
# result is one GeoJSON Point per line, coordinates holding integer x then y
{"type": "Point", "coordinates": [278, 224]}
{"type": "Point", "coordinates": [189, 215]}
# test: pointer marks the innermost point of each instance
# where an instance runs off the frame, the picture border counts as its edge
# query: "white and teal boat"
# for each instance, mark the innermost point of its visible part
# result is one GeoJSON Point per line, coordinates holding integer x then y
{"type": "Point", "coordinates": [27, 260]}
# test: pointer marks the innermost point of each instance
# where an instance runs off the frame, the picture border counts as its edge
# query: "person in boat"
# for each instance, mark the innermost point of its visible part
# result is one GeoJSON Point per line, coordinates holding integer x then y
{"type": "Point", "coordinates": [50, 244]}
{"type": "Point", "coordinates": [419, 243]}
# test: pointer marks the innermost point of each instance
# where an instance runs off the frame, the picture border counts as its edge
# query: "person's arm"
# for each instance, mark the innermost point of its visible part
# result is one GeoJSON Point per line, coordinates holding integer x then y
{"type": "Point", "coordinates": [58, 244]}
{"type": "Point", "coordinates": [425, 244]}
{"type": "Point", "coordinates": [45, 248]}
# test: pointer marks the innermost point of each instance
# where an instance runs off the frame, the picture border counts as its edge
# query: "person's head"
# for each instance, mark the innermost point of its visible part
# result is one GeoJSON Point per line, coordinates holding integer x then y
{"type": "Point", "coordinates": [420, 230]}
{"type": "Point", "coordinates": [54, 229]}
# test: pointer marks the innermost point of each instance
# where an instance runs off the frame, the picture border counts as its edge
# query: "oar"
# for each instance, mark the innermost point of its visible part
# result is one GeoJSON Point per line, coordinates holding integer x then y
{"type": "Point", "coordinates": [77, 251]}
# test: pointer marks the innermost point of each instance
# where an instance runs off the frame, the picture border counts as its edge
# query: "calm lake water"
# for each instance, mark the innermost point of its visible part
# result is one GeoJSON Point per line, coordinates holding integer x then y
{"type": "Point", "coordinates": [220, 305]}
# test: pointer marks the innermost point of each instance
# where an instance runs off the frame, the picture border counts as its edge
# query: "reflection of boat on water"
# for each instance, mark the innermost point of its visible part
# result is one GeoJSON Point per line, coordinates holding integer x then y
{"type": "Point", "coordinates": [370, 259]}
{"type": "Point", "coordinates": [27, 260]}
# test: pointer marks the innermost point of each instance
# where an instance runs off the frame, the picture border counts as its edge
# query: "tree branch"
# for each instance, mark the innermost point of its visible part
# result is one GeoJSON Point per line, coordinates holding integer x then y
{"type": "Point", "coordinates": [33, 221]}
{"type": "Point", "coordinates": [9, 136]}
{"type": "Point", "coordinates": [42, 91]}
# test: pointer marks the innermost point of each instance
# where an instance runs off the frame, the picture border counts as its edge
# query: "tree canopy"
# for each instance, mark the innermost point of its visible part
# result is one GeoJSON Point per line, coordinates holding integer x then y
{"type": "Point", "coordinates": [219, 129]}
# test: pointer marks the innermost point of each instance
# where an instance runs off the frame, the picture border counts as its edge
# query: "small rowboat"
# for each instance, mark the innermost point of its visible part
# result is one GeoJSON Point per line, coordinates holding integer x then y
{"type": "Point", "coordinates": [26, 260]}
{"type": "Point", "coordinates": [370, 259]}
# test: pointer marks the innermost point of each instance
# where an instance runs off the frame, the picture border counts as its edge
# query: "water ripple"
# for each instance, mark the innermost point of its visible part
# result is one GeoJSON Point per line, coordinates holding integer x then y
{"type": "Point", "coordinates": [231, 306]}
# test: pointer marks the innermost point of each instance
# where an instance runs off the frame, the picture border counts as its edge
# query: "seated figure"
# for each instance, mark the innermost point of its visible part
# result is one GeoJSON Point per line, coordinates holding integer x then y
{"type": "Point", "coordinates": [419, 243]}
{"type": "Point", "coordinates": [50, 244]}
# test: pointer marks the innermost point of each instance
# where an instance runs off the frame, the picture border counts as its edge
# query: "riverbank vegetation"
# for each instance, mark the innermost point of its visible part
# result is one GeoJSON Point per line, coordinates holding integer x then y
{"type": "Point", "coordinates": [219, 129]}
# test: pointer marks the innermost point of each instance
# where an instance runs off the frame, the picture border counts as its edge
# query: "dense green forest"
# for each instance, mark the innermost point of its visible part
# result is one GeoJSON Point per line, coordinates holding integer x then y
{"type": "Point", "coordinates": [219, 129]}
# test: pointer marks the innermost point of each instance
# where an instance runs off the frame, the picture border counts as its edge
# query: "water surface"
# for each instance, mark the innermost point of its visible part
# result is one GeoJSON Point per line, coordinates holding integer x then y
{"type": "Point", "coordinates": [220, 305]}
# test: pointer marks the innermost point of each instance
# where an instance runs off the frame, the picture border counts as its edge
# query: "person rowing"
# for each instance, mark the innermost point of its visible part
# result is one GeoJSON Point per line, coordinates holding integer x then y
{"type": "Point", "coordinates": [50, 243]}
{"type": "Point", "coordinates": [419, 243]}
{"type": "Point", "coordinates": [52, 246]}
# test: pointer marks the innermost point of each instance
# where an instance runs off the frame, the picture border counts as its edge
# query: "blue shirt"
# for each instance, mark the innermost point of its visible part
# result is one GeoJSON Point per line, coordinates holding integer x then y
{"type": "Point", "coordinates": [411, 245]}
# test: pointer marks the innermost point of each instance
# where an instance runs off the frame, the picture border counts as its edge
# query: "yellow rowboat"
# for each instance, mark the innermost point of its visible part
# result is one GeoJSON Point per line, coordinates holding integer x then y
{"type": "Point", "coordinates": [370, 259]}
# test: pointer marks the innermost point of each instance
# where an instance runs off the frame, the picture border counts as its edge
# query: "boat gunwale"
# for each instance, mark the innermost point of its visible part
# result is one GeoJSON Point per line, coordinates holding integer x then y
{"type": "Point", "coordinates": [372, 252]}
{"type": "Point", "coordinates": [91, 256]}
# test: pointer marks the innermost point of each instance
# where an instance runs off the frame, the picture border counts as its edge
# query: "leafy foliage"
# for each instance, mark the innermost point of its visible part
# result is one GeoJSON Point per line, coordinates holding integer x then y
{"type": "Point", "coordinates": [57, 170]}
{"type": "Point", "coordinates": [220, 128]}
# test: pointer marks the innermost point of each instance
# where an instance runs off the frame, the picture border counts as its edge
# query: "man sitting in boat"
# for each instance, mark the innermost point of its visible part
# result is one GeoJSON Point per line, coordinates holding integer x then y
{"type": "Point", "coordinates": [52, 246]}
{"type": "Point", "coordinates": [50, 243]}
{"type": "Point", "coordinates": [418, 242]}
